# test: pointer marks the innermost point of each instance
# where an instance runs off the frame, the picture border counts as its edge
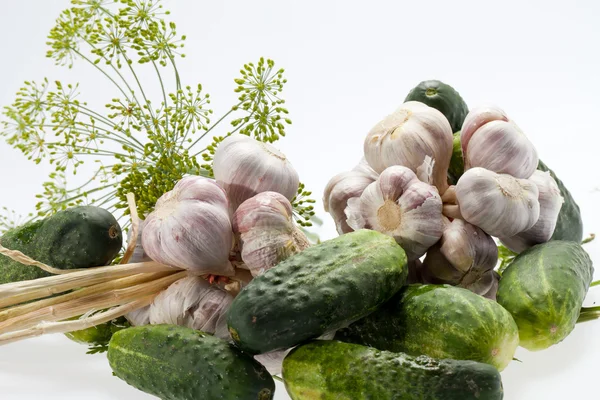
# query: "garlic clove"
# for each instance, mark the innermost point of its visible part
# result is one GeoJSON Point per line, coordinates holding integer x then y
{"type": "Point", "coordinates": [478, 117]}
{"type": "Point", "coordinates": [267, 231]}
{"type": "Point", "coordinates": [464, 254]}
{"type": "Point", "coordinates": [191, 302]}
{"type": "Point", "coordinates": [501, 205]}
{"type": "Point", "coordinates": [139, 317]}
{"type": "Point", "coordinates": [246, 167]}
{"type": "Point", "coordinates": [190, 228]}
{"type": "Point", "coordinates": [551, 201]}
{"type": "Point", "coordinates": [494, 142]}
{"type": "Point", "coordinates": [398, 204]}
{"type": "Point", "coordinates": [342, 188]}
{"type": "Point", "coordinates": [407, 136]}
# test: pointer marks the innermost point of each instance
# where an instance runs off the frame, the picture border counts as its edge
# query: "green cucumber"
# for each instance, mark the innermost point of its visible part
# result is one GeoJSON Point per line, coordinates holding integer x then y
{"type": "Point", "coordinates": [78, 237]}
{"type": "Point", "coordinates": [178, 363]}
{"type": "Point", "coordinates": [443, 98]}
{"type": "Point", "coordinates": [569, 225]}
{"type": "Point", "coordinates": [439, 321]}
{"type": "Point", "coordinates": [543, 289]}
{"type": "Point", "coordinates": [457, 163]}
{"type": "Point", "coordinates": [332, 370]}
{"type": "Point", "coordinates": [321, 289]}
{"type": "Point", "coordinates": [97, 337]}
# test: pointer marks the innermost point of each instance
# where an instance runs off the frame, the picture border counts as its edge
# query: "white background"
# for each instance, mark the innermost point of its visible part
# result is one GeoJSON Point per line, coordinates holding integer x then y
{"type": "Point", "coordinates": [348, 65]}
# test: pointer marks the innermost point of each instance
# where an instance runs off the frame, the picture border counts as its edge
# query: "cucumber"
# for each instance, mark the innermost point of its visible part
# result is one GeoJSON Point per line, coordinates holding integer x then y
{"type": "Point", "coordinates": [457, 163]}
{"type": "Point", "coordinates": [443, 98]}
{"type": "Point", "coordinates": [543, 289]}
{"type": "Point", "coordinates": [439, 321]}
{"type": "Point", "coordinates": [319, 290]}
{"type": "Point", "coordinates": [178, 363]}
{"type": "Point", "coordinates": [569, 225]}
{"type": "Point", "coordinates": [97, 337]}
{"type": "Point", "coordinates": [79, 237]}
{"type": "Point", "coordinates": [332, 370]}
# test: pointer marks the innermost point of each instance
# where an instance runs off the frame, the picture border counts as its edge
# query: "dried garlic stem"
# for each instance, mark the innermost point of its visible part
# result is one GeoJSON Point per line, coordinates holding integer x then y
{"type": "Point", "coordinates": [135, 227]}
{"type": "Point", "coordinates": [449, 195]}
{"type": "Point", "coordinates": [452, 211]}
{"type": "Point", "coordinates": [25, 260]}
{"type": "Point", "coordinates": [13, 312]}
{"type": "Point", "coordinates": [70, 326]}
{"type": "Point", "coordinates": [19, 292]}
{"type": "Point", "coordinates": [83, 305]}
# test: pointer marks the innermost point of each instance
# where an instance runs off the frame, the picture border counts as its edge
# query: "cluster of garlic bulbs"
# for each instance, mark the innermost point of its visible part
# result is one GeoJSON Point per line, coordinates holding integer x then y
{"type": "Point", "coordinates": [402, 189]}
{"type": "Point", "coordinates": [223, 231]}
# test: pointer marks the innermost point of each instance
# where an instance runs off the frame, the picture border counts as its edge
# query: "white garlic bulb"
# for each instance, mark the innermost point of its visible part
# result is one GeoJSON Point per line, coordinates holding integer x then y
{"type": "Point", "coordinates": [246, 167]}
{"type": "Point", "coordinates": [267, 231]}
{"type": "Point", "coordinates": [342, 188]}
{"type": "Point", "coordinates": [551, 202]}
{"type": "Point", "coordinates": [490, 140]}
{"type": "Point", "coordinates": [190, 228]}
{"type": "Point", "coordinates": [195, 303]}
{"type": "Point", "coordinates": [398, 204]}
{"type": "Point", "coordinates": [501, 205]}
{"type": "Point", "coordinates": [139, 317]}
{"type": "Point", "coordinates": [407, 136]}
{"type": "Point", "coordinates": [464, 254]}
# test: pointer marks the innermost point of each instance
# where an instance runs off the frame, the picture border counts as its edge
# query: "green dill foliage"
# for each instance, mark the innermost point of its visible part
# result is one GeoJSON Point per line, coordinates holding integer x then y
{"type": "Point", "coordinates": [135, 144]}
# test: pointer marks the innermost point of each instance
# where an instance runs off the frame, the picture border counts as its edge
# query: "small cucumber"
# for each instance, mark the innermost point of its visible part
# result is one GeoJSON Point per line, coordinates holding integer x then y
{"type": "Point", "coordinates": [440, 321]}
{"type": "Point", "coordinates": [178, 363]}
{"type": "Point", "coordinates": [97, 337]}
{"type": "Point", "coordinates": [332, 370]}
{"type": "Point", "coordinates": [321, 289]}
{"type": "Point", "coordinates": [78, 237]}
{"type": "Point", "coordinates": [543, 289]}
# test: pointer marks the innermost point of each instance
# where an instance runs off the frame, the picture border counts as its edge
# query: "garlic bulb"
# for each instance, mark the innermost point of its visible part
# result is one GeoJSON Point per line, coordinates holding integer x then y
{"type": "Point", "coordinates": [246, 167]}
{"type": "Point", "coordinates": [400, 205]}
{"type": "Point", "coordinates": [343, 187]}
{"type": "Point", "coordinates": [499, 204]}
{"type": "Point", "coordinates": [407, 136]}
{"type": "Point", "coordinates": [190, 228]}
{"type": "Point", "coordinates": [462, 257]}
{"type": "Point", "coordinates": [487, 286]}
{"type": "Point", "coordinates": [194, 303]}
{"type": "Point", "coordinates": [490, 140]}
{"type": "Point", "coordinates": [267, 231]}
{"type": "Point", "coordinates": [551, 202]}
{"type": "Point", "coordinates": [140, 316]}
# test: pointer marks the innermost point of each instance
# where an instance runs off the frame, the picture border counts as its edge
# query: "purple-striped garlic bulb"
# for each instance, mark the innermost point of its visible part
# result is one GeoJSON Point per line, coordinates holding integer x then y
{"type": "Point", "coordinates": [246, 167]}
{"type": "Point", "coordinates": [501, 205]}
{"type": "Point", "coordinates": [409, 135]}
{"type": "Point", "coordinates": [490, 140]}
{"type": "Point", "coordinates": [195, 303]}
{"type": "Point", "coordinates": [342, 188]}
{"type": "Point", "coordinates": [267, 232]}
{"type": "Point", "coordinates": [551, 202]}
{"type": "Point", "coordinates": [464, 255]}
{"type": "Point", "coordinates": [190, 228]}
{"type": "Point", "coordinates": [398, 204]}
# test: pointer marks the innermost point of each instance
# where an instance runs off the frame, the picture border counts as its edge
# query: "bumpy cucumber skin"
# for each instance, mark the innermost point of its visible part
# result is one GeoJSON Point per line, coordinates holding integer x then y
{"type": "Point", "coordinates": [543, 289]}
{"type": "Point", "coordinates": [457, 163]}
{"type": "Point", "coordinates": [569, 225]}
{"type": "Point", "coordinates": [321, 289]}
{"type": "Point", "coordinates": [439, 321]}
{"type": "Point", "coordinates": [79, 237]}
{"type": "Point", "coordinates": [178, 363]}
{"type": "Point", "coordinates": [332, 370]}
{"type": "Point", "coordinates": [443, 98]}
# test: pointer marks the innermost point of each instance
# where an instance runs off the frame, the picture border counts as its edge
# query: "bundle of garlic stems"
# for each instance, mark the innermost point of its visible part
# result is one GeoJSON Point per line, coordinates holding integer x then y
{"type": "Point", "coordinates": [46, 305]}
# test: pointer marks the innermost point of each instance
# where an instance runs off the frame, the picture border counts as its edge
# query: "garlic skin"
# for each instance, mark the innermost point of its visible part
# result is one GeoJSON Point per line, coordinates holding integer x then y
{"type": "Point", "coordinates": [245, 167]}
{"type": "Point", "coordinates": [501, 205]}
{"type": "Point", "coordinates": [267, 232]}
{"type": "Point", "coordinates": [407, 136]}
{"type": "Point", "coordinates": [342, 188]}
{"type": "Point", "coordinates": [194, 303]}
{"type": "Point", "coordinates": [398, 204]}
{"type": "Point", "coordinates": [551, 202]}
{"type": "Point", "coordinates": [490, 140]}
{"type": "Point", "coordinates": [464, 254]}
{"type": "Point", "coordinates": [139, 317]}
{"type": "Point", "coordinates": [190, 228]}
